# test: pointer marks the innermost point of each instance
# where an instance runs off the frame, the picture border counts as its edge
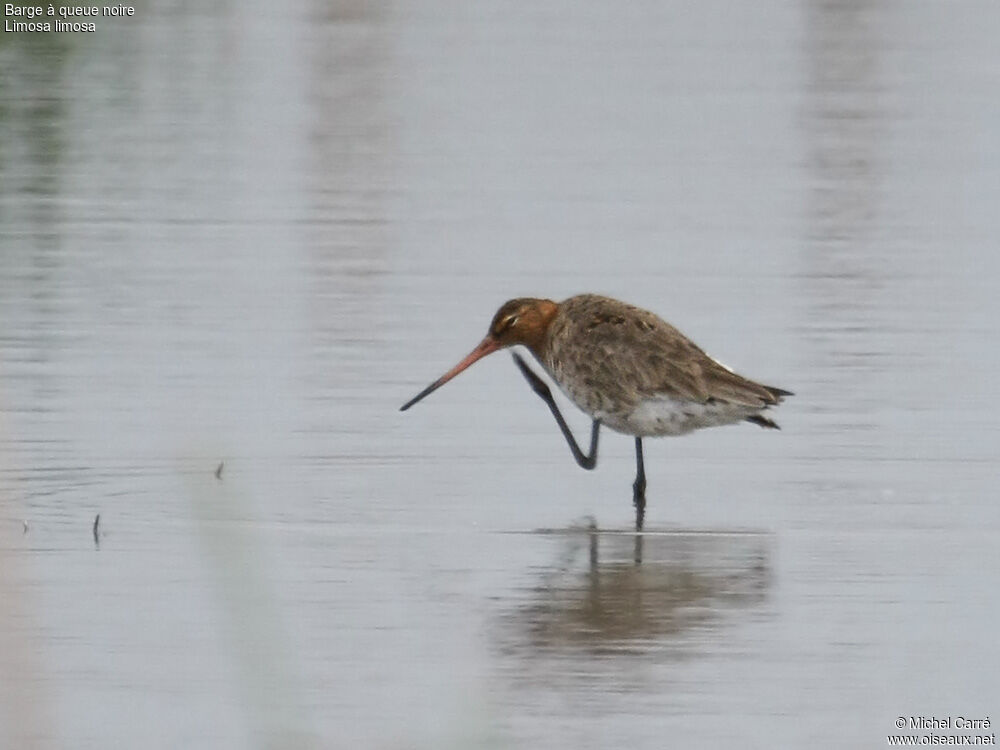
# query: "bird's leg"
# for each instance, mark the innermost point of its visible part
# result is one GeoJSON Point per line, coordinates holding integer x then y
{"type": "Point", "coordinates": [639, 486]}
{"type": "Point", "coordinates": [587, 461]}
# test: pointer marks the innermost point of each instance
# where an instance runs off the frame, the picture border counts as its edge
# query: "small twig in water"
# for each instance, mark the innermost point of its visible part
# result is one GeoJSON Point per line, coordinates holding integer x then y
{"type": "Point", "coordinates": [97, 530]}
{"type": "Point", "coordinates": [218, 469]}
{"type": "Point", "coordinates": [25, 526]}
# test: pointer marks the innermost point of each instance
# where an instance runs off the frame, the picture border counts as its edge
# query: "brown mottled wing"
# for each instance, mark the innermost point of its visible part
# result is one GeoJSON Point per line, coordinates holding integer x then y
{"type": "Point", "coordinates": [646, 356]}
{"type": "Point", "coordinates": [627, 354]}
{"type": "Point", "coordinates": [726, 385]}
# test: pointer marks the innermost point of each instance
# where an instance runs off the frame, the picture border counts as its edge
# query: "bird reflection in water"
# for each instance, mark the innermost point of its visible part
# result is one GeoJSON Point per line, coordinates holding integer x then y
{"type": "Point", "coordinates": [636, 592]}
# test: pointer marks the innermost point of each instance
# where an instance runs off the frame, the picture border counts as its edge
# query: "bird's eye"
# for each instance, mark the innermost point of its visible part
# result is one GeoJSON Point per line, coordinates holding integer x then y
{"type": "Point", "coordinates": [506, 323]}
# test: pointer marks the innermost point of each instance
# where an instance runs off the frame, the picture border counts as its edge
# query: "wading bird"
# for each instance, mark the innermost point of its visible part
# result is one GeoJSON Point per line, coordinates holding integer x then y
{"type": "Point", "coordinates": [625, 368]}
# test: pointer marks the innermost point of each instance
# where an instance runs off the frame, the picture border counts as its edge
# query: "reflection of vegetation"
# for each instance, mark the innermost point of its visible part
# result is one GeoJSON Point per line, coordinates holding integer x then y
{"type": "Point", "coordinates": [35, 46]}
{"type": "Point", "coordinates": [32, 109]}
{"type": "Point", "coordinates": [683, 581]}
{"type": "Point", "coordinates": [60, 94]}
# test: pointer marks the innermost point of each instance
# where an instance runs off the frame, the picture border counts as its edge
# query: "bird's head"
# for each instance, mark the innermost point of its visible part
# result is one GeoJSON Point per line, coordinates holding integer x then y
{"type": "Point", "coordinates": [518, 321]}
{"type": "Point", "coordinates": [522, 321]}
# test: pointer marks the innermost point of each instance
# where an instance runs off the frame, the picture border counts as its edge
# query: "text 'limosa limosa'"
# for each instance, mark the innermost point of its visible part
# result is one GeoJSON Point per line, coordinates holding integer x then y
{"type": "Point", "coordinates": [624, 367]}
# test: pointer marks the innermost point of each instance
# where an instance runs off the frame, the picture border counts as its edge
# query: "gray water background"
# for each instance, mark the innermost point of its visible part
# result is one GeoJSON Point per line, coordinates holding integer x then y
{"type": "Point", "coordinates": [246, 233]}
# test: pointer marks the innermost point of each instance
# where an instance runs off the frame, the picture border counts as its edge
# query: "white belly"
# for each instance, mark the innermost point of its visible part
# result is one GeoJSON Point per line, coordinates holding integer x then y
{"type": "Point", "coordinates": [662, 415]}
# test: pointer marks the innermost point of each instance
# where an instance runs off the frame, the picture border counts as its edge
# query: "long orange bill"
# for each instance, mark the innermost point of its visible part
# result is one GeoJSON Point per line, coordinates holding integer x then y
{"type": "Point", "coordinates": [487, 346]}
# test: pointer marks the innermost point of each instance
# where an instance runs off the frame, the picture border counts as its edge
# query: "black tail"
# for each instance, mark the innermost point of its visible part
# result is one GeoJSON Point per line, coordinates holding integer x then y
{"type": "Point", "coordinates": [764, 421]}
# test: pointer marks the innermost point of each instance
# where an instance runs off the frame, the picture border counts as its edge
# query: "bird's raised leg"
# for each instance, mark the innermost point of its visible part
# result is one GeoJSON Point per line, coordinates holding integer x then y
{"type": "Point", "coordinates": [639, 487]}
{"type": "Point", "coordinates": [539, 386]}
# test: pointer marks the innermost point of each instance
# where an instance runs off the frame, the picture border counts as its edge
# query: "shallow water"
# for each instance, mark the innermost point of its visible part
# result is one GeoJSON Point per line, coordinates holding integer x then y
{"type": "Point", "coordinates": [247, 236]}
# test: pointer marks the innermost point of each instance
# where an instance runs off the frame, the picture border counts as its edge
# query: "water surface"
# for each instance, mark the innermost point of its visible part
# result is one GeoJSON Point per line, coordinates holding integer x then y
{"type": "Point", "coordinates": [247, 236]}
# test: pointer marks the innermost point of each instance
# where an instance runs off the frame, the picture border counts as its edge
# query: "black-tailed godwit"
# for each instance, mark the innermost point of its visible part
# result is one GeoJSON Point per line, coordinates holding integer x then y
{"type": "Point", "coordinates": [625, 368]}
